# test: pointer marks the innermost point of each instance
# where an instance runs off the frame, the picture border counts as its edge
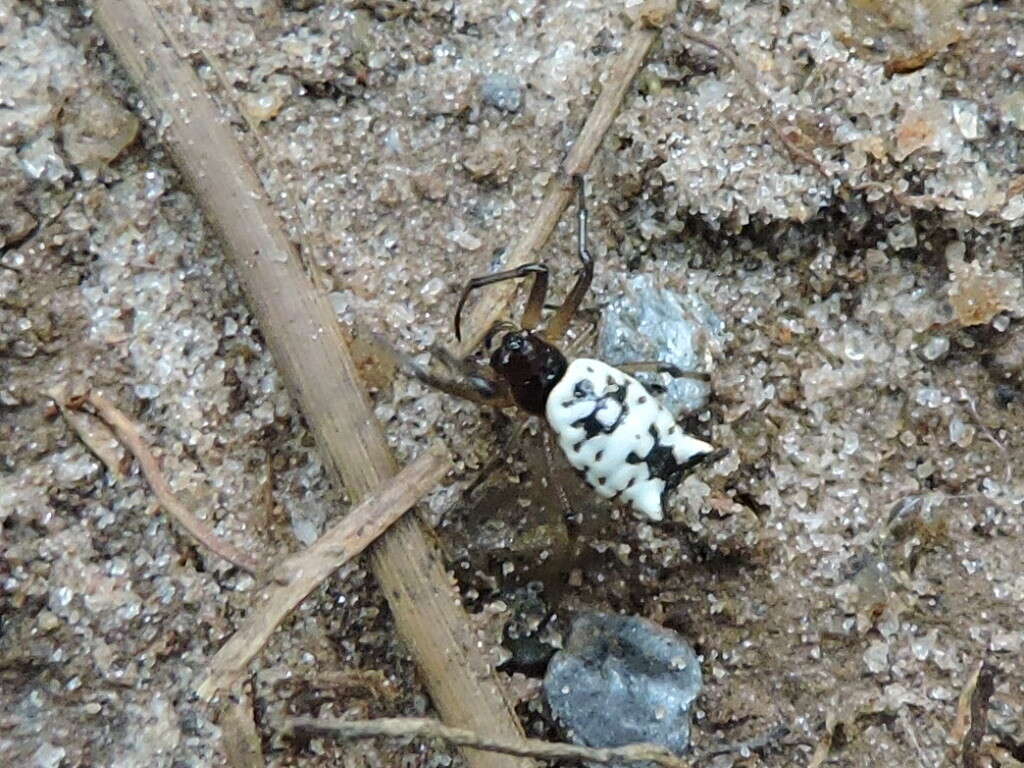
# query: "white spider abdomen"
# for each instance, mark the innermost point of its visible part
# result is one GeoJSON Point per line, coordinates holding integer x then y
{"type": "Point", "coordinates": [619, 436]}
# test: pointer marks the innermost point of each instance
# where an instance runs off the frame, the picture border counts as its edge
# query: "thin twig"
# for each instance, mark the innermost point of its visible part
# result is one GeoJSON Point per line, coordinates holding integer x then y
{"type": "Point", "coordinates": [988, 434]}
{"type": "Point", "coordinates": [971, 722]}
{"type": "Point", "coordinates": [128, 433]}
{"type": "Point", "coordinates": [560, 191]}
{"type": "Point", "coordinates": [772, 736]}
{"type": "Point", "coordinates": [796, 151]}
{"type": "Point", "coordinates": [425, 728]}
{"type": "Point", "coordinates": [300, 574]}
{"type": "Point", "coordinates": [96, 435]}
{"type": "Point", "coordinates": [239, 736]}
{"type": "Point", "coordinates": [911, 732]}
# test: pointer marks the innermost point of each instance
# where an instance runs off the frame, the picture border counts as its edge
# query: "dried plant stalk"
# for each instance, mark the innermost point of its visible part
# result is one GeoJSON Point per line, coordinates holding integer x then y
{"type": "Point", "coordinates": [128, 434]}
{"type": "Point", "coordinates": [241, 740]}
{"type": "Point", "coordinates": [560, 191]}
{"type": "Point", "coordinates": [425, 728]}
{"type": "Point", "coordinates": [301, 573]}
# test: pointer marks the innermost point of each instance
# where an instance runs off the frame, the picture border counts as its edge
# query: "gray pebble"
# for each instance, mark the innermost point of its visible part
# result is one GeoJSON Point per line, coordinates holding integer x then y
{"type": "Point", "coordinates": [622, 680]}
{"type": "Point", "coordinates": [502, 91]}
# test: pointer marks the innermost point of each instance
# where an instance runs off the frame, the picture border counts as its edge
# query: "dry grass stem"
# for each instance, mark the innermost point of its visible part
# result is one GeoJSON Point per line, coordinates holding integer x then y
{"type": "Point", "coordinates": [971, 720]}
{"type": "Point", "coordinates": [789, 141]}
{"type": "Point", "coordinates": [128, 434]}
{"type": "Point", "coordinates": [560, 191]}
{"type": "Point", "coordinates": [96, 435]}
{"type": "Point", "coordinates": [300, 574]}
{"type": "Point", "coordinates": [425, 728]}
{"type": "Point", "coordinates": [238, 734]}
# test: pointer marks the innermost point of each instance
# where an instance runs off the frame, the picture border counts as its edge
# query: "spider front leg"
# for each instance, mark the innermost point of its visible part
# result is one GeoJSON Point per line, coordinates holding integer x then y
{"type": "Point", "coordinates": [534, 304]}
{"type": "Point", "coordinates": [656, 366]}
{"type": "Point", "coordinates": [467, 380]}
{"type": "Point", "coordinates": [560, 321]}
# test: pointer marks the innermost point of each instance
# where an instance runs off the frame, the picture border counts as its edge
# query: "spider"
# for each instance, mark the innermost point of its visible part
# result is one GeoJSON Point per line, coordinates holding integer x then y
{"type": "Point", "coordinates": [611, 429]}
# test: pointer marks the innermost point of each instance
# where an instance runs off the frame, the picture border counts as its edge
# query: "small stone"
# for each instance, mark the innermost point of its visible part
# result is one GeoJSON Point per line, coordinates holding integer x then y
{"type": "Point", "coordinates": [622, 680]}
{"type": "Point", "coordinates": [936, 348]}
{"type": "Point", "coordinates": [262, 105]}
{"type": "Point", "coordinates": [433, 287]}
{"type": "Point", "coordinates": [876, 657]}
{"type": "Point", "coordinates": [902, 236]}
{"type": "Point", "coordinates": [1013, 209]}
{"type": "Point", "coordinates": [16, 225]}
{"type": "Point", "coordinates": [650, 13]}
{"type": "Point", "coordinates": [48, 755]}
{"type": "Point", "coordinates": [387, 192]}
{"type": "Point", "coordinates": [430, 184]}
{"type": "Point", "coordinates": [918, 130]}
{"type": "Point", "coordinates": [96, 129]}
{"type": "Point", "coordinates": [503, 92]}
{"type": "Point", "coordinates": [965, 115]}
{"type": "Point", "coordinates": [465, 240]}
{"type": "Point", "coordinates": [959, 433]}
{"type": "Point", "coordinates": [923, 647]}
{"type": "Point", "coordinates": [1012, 107]}
{"type": "Point", "coordinates": [41, 160]}
{"type": "Point", "coordinates": [491, 159]}
{"type": "Point", "coordinates": [977, 294]}
{"type": "Point", "coordinates": [47, 621]}
{"type": "Point", "coordinates": [1006, 641]}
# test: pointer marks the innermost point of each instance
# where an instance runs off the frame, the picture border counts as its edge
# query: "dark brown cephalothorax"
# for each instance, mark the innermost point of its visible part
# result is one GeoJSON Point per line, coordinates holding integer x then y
{"type": "Point", "coordinates": [611, 429]}
{"type": "Point", "coordinates": [530, 366]}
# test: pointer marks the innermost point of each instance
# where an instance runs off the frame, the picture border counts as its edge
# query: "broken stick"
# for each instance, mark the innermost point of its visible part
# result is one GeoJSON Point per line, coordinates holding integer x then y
{"type": "Point", "coordinates": [129, 436]}
{"type": "Point", "coordinates": [560, 191]}
{"type": "Point", "coordinates": [425, 728]}
{"type": "Point", "coordinates": [301, 573]}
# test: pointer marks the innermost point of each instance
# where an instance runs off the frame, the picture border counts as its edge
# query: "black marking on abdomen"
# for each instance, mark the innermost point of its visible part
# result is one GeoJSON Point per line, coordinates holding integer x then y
{"type": "Point", "coordinates": [591, 426]}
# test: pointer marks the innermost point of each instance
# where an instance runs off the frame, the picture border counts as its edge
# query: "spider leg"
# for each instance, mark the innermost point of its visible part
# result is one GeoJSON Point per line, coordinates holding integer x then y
{"type": "Point", "coordinates": [471, 383]}
{"type": "Point", "coordinates": [467, 368]}
{"type": "Point", "coordinates": [656, 366]}
{"type": "Point", "coordinates": [452, 362]}
{"type": "Point", "coordinates": [563, 317]}
{"type": "Point", "coordinates": [534, 304]}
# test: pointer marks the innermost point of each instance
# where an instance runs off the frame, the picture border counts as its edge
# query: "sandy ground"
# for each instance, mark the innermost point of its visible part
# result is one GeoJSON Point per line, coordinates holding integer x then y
{"type": "Point", "coordinates": [848, 203]}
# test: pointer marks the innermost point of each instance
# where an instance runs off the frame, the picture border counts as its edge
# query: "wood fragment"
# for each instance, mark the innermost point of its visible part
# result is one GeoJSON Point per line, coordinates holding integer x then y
{"type": "Point", "coordinates": [238, 734]}
{"type": "Point", "coordinates": [128, 434]}
{"type": "Point", "coordinates": [971, 720]}
{"type": "Point", "coordinates": [908, 727]}
{"type": "Point", "coordinates": [96, 435]}
{"type": "Point", "coordinates": [824, 744]}
{"type": "Point", "coordinates": [1002, 756]}
{"type": "Point", "coordinates": [772, 737]}
{"type": "Point", "coordinates": [425, 728]}
{"type": "Point", "coordinates": [300, 574]}
{"type": "Point", "coordinates": [560, 190]}
{"type": "Point", "coordinates": [301, 330]}
{"type": "Point", "coordinates": [789, 139]}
